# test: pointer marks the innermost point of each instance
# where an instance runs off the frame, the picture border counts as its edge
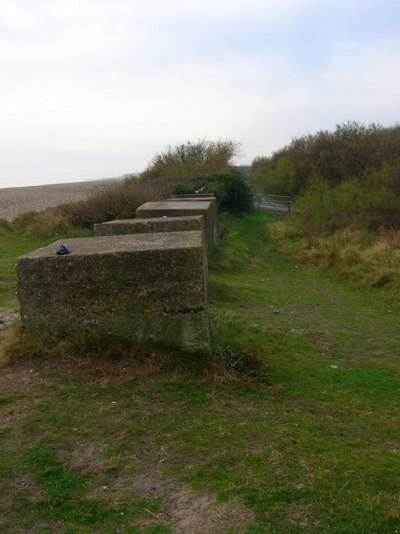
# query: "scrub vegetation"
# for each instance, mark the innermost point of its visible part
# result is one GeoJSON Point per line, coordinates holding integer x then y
{"type": "Point", "coordinates": [183, 163]}
{"type": "Point", "coordinates": [346, 211]}
{"type": "Point", "coordinates": [231, 190]}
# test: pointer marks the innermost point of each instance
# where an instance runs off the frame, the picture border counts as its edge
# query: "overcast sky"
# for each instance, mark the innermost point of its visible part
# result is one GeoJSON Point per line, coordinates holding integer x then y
{"type": "Point", "coordinates": [95, 88]}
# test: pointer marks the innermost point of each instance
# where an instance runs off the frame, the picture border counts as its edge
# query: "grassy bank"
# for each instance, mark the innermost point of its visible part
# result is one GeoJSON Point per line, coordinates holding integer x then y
{"type": "Point", "coordinates": [361, 257]}
{"type": "Point", "coordinates": [311, 443]}
{"type": "Point", "coordinates": [346, 210]}
{"type": "Point", "coordinates": [12, 245]}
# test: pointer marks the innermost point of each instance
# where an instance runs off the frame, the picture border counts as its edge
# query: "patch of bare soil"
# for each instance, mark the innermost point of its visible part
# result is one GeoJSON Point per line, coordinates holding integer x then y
{"type": "Point", "coordinates": [16, 200]}
{"type": "Point", "coordinates": [185, 511]}
{"type": "Point", "coordinates": [8, 316]}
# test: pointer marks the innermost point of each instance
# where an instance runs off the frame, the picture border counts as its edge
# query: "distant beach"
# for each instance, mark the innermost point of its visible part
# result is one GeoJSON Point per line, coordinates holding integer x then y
{"type": "Point", "coordinates": [15, 200]}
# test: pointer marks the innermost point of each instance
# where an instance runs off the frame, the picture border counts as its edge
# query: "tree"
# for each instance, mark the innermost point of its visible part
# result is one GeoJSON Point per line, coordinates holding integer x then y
{"type": "Point", "coordinates": [191, 160]}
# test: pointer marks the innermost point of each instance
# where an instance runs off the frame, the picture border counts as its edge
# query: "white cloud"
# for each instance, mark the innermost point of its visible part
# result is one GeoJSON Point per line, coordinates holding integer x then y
{"type": "Point", "coordinates": [95, 88]}
{"type": "Point", "coordinates": [361, 84]}
{"type": "Point", "coordinates": [15, 15]}
{"type": "Point", "coordinates": [374, 70]}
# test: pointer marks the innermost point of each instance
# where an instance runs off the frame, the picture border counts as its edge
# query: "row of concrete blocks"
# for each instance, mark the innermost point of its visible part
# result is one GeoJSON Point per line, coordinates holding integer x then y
{"type": "Point", "coordinates": [142, 280]}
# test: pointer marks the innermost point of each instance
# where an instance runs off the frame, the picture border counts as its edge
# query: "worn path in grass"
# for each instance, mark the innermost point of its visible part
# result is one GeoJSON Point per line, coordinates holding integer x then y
{"type": "Point", "coordinates": [349, 323]}
{"type": "Point", "coordinates": [312, 446]}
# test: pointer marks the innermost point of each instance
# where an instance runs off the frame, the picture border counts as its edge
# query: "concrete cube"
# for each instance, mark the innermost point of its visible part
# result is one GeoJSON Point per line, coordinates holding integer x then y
{"type": "Point", "coordinates": [151, 225]}
{"type": "Point", "coordinates": [201, 197]}
{"type": "Point", "coordinates": [177, 208]}
{"type": "Point", "coordinates": [144, 288]}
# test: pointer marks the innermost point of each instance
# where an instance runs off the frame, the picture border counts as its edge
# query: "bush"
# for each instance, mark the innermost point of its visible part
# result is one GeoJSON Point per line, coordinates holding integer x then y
{"type": "Point", "coordinates": [163, 174]}
{"type": "Point", "coordinates": [189, 161]}
{"type": "Point", "coordinates": [351, 151]}
{"type": "Point", "coordinates": [347, 206]}
{"type": "Point", "coordinates": [370, 203]}
{"type": "Point", "coordinates": [117, 202]}
{"type": "Point", "coordinates": [352, 229]}
{"type": "Point", "coordinates": [44, 224]}
{"type": "Point", "coordinates": [232, 192]}
{"type": "Point", "coordinates": [273, 177]}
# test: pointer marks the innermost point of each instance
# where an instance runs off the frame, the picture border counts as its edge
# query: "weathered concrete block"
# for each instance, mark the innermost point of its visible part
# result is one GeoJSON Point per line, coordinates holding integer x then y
{"type": "Point", "coordinates": [145, 288]}
{"type": "Point", "coordinates": [172, 208]}
{"type": "Point", "coordinates": [201, 197]}
{"type": "Point", "coordinates": [151, 225]}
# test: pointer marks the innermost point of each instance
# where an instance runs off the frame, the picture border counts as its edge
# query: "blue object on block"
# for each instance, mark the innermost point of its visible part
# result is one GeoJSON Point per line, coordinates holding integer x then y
{"type": "Point", "coordinates": [63, 250]}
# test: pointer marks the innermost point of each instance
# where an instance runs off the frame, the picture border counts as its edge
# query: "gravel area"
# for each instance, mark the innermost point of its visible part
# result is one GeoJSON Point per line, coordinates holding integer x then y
{"type": "Point", "coordinates": [15, 200]}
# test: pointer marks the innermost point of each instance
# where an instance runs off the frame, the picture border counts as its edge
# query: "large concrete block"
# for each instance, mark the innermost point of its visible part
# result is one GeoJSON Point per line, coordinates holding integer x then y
{"type": "Point", "coordinates": [201, 197]}
{"type": "Point", "coordinates": [145, 288]}
{"type": "Point", "coordinates": [172, 208]}
{"type": "Point", "coordinates": [151, 225]}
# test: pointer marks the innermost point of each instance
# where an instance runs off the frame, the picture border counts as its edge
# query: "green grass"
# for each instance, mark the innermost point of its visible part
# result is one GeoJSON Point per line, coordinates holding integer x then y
{"type": "Point", "coordinates": [15, 243]}
{"type": "Point", "coordinates": [310, 444]}
{"type": "Point", "coordinates": [12, 245]}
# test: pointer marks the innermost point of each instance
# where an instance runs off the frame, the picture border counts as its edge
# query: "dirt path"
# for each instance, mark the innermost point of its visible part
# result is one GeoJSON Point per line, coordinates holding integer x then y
{"type": "Point", "coordinates": [15, 200]}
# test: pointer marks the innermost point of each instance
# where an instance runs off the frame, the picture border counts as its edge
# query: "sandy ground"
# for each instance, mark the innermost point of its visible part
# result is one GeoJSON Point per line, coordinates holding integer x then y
{"type": "Point", "coordinates": [15, 200]}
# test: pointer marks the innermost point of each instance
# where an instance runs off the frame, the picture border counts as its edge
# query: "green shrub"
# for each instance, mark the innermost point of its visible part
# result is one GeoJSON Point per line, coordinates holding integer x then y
{"type": "Point", "coordinates": [232, 192]}
{"type": "Point", "coordinates": [190, 160]}
{"type": "Point", "coordinates": [351, 151]}
{"type": "Point", "coordinates": [273, 177]}
{"type": "Point", "coordinates": [370, 203]}
{"type": "Point", "coordinates": [346, 213]}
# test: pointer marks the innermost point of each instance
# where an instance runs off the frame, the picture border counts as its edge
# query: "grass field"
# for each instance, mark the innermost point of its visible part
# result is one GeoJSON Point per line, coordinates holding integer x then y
{"type": "Point", "coordinates": [309, 442]}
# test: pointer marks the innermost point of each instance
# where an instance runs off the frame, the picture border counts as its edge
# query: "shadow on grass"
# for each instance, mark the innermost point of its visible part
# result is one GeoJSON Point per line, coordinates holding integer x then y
{"type": "Point", "coordinates": [105, 359]}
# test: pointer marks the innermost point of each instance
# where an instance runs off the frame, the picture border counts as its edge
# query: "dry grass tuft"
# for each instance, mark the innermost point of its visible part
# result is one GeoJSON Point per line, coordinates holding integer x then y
{"type": "Point", "coordinates": [373, 260]}
{"type": "Point", "coordinates": [11, 345]}
{"type": "Point", "coordinates": [4, 224]}
{"type": "Point", "coordinates": [277, 231]}
{"type": "Point", "coordinates": [117, 202]}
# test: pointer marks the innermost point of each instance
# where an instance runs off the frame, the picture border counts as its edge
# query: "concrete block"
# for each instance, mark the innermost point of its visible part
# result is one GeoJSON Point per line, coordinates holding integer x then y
{"type": "Point", "coordinates": [144, 288]}
{"type": "Point", "coordinates": [201, 198]}
{"type": "Point", "coordinates": [151, 225]}
{"type": "Point", "coordinates": [177, 208]}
